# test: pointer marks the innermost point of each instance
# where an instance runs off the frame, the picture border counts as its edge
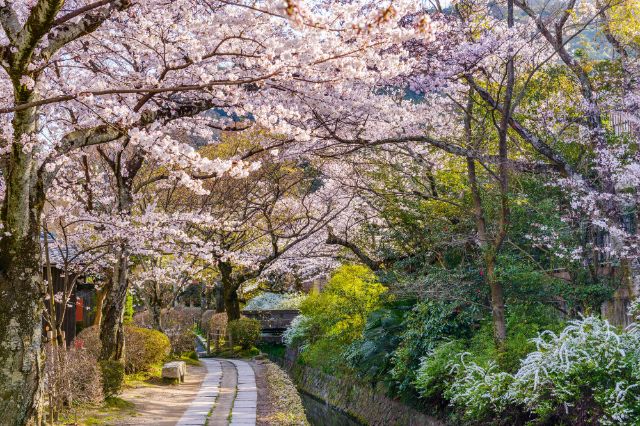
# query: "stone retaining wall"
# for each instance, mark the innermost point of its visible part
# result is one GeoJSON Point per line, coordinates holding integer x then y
{"type": "Point", "coordinates": [356, 398]}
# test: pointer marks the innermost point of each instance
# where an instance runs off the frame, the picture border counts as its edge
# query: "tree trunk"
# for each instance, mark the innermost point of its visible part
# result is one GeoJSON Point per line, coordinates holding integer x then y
{"type": "Point", "coordinates": [497, 306]}
{"type": "Point", "coordinates": [219, 295]}
{"type": "Point", "coordinates": [156, 318]}
{"type": "Point", "coordinates": [22, 289]}
{"type": "Point", "coordinates": [112, 327]}
{"type": "Point", "coordinates": [231, 303]}
{"type": "Point", "coordinates": [21, 356]}
{"type": "Point", "coordinates": [229, 291]}
{"type": "Point", "coordinates": [100, 295]}
{"type": "Point", "coordinates": [156, 309]}
{"type": "Point", "coordinates": [21, 308]}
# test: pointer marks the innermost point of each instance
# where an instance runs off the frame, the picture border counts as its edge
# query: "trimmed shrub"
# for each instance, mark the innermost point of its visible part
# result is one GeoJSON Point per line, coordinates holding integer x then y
{"type": "Point", "coordinates": [244, 332]}
{"type": "Point", "coordinates": [144, 348]}
{"type": "Point", "coordinates": [89, 340]}
{"type": "Point", "coordinates": [86, 384]}
{"type": "Point", "coordinates": [112, 377]}
{"type": "Point", "coordinates": [177, 323]}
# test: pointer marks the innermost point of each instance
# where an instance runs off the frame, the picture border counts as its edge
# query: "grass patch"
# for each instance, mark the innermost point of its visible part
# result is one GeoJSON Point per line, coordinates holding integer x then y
{"type": "Point", "coordinates": [110, 411]}
{"type": "Point", "coordinates": [144, 378]}
{"type": "Point", "coordinates": [188, 359]}
{"type": "Point", "coordinates": [236, 352]}
{"type": "Point", "coordinates": [115, 403]}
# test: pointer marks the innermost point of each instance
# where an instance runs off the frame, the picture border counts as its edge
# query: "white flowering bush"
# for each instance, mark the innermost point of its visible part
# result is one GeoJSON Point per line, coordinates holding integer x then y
{"type": "Point", "coordinates": [292, 301]}
{"type": "Point", "coordinates": [480, 392]}
{"type": "Point", "coordinates": [298, 331]}
{"type": "Point", "coordinates": [271, 301]}
{"type": "Point", "coordinates": [589, 367]}
{"type": "Point", "coordinates": [587, 374]}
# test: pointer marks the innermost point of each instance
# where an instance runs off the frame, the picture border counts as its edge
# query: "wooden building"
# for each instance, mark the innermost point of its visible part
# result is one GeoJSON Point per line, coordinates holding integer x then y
{"type": "Point", "coordinates": [79, 310]}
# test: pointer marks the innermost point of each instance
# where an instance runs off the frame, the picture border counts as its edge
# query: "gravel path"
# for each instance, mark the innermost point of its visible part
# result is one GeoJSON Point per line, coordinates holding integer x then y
{"type": "Point", "coordinates": [162, 405]}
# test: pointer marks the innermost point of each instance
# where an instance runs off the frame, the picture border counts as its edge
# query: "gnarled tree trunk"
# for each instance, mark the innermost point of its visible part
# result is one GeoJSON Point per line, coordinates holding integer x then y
{"type": "Point", "coordinates": [229, 291]}
{"type": "Point", "coordinates": [21, 309]}
{"type": "Point", "coordinates": [22, 289]}
{"type": "Point", "coordinates": [112, 328]}
{"type": "Point", "coordinates": [231, 303]}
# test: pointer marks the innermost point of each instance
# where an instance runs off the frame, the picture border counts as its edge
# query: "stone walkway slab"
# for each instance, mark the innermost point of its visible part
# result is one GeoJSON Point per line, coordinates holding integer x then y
{"type": "Point", "coordinates": [198, 411]}
{"type": "Point", "coordinates": [228, 391]}
{"type": "Point", "coordinates": [224, 403]}
{"type": "Point", "coordinates": [244, 407]}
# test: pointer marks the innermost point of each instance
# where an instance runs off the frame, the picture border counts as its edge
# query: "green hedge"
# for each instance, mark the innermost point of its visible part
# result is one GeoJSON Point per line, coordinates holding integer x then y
{"type": "Point", "coordinates": [244, 332]}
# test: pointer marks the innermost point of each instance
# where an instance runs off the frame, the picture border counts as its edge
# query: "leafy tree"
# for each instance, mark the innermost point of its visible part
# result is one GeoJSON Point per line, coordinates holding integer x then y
{"type": "Point", "coordinates": [336, 316]}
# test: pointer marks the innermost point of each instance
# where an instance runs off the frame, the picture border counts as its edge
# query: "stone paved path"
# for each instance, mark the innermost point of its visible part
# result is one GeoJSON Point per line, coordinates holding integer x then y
{"type": "Point", "coordinates": [228, 392]}
{"type": "Point", "coordinates": [224, 403]}
{"type": "Point", "coordinates": [244, 406]}
{"type": "Point", "coordinates": [200, 407]}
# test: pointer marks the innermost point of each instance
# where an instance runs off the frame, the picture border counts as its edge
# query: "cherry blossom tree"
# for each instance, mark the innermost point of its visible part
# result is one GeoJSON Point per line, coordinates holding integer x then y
{"type": "Point", "coordinates": [519, 66]}
{"type": "Point", "coordinates": [79, 74]}
{"type": "Point", "coordinates": [270, 220]}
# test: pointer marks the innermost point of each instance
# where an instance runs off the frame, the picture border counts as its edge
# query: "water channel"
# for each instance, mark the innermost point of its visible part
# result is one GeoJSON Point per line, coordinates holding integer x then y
{"type": "Point", "coordinates": [320, 413]}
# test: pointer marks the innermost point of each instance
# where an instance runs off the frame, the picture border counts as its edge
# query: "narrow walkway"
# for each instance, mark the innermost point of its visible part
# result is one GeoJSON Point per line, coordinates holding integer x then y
{"type": "Point", "coordinates": [200, 407]}
{"type": "Point", "coordinates": [244, 406]}
{"type": "Point", "coordinates": [224, 403]}
{"type": "Point", "coordinates": [228, 396]}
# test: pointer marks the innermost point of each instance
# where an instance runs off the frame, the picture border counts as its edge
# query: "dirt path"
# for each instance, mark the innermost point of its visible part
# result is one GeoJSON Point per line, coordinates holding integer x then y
{"type": "Point", "coordinates": [163, 405]}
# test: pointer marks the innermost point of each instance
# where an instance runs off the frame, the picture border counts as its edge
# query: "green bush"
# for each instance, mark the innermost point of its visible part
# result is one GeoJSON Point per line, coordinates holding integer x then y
{"type": "Point", "coordinates": [586, 374]}
{"type": "Point", "coordinates": [435, 373]}
{"type": "Point", "coordinates": [429, 324]}
{"type": "Point", "coordinates": [128, 309]}
{"type": "Point", "coordinates": [371, 356]}
{"type": "Point", "coordinates": [244, 332]}
{"type": "Point", "coordinates": [144, 348]}
{"type": "Point", "coordinates": [112, 377]}
{"type": "Point", "coordinates": [334, 318]}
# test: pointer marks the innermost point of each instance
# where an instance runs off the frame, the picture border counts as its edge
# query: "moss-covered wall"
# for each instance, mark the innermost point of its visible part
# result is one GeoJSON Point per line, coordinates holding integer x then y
{"type": "Point", "coordinates": [360, 400]}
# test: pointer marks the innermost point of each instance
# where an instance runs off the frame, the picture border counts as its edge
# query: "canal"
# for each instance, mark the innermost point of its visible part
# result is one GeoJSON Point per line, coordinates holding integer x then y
{"type": "Point", "coordinates": [320, 413]}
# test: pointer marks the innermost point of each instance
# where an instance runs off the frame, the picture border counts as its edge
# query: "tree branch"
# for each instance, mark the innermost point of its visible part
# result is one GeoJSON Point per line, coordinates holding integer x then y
{"type": "Point", "coordinates": [332, 239]}
{"type": "Point", "coordinates": [9, 21]}
{"type": "Point", "coordinates": [89, 23]}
